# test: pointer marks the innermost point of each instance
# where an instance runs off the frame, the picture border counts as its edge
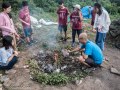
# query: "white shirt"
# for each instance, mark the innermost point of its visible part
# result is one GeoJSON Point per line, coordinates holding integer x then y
{"type": "Point", "coordinates": [103, 22]}
{"type": "Point", "coordinates": [5, 55]}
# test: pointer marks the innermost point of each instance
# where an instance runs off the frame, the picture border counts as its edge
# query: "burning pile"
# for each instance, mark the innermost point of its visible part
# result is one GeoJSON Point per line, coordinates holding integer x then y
{"type": "Point", "coordinates": [58, 67]}
{"type": "Point", "coordinates": [57, 61]}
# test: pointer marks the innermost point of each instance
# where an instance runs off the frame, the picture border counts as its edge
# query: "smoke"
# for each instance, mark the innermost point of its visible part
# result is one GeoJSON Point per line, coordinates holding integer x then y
{"type": "Point", "coordinates": [46, 36]}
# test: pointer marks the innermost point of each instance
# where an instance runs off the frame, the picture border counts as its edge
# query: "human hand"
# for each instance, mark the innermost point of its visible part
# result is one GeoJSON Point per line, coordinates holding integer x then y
{"type": "Point", "coordinates": [15, 53]}
{"type": "Point", "coordinates": [17, 36]}
{"type": "Point", "coordinates": [94, 31]}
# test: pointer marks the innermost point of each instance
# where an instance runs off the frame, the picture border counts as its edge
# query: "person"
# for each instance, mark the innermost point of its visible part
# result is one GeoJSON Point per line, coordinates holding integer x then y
{"type": "Point", "coordinates": [76, 22]}
{"type": "Point", "coordinates": [24, 17]}
{"type": "Point", "coordinates": [62, 19]}
{"type": "Point", "coordinates": [93, 13]}
{"type": "Point", "coordinates": [101, 25]}
{"type": "Point", "coordinates": [6, 23]}
{"type": "Point", "coordinates": [8, 57]}
{"type": "Point", "coordinates": [92, 55]}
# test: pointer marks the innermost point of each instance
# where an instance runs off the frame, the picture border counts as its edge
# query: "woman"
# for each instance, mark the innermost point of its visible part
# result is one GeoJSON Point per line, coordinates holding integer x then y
{"type": "Point", "coordinates": [8, 57]}
{"type": "Point", "coordinates": [6, 23]}
{"type": "Point", "coordinates": [76, 23]}
{"type": "Point", "coordinates": [101, 25]}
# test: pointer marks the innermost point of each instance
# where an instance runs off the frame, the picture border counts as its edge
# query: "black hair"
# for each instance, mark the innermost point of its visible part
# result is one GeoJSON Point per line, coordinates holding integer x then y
{"type": "Point", "coordinates": [24, 3]}
{"type": "Point", "coordinates": [5, 5]}
{"type": "Point", "coordinates": [61, 2]}
{"type": "Point", "coordinates": [7, 42]}
{"type": "Point", "coordinates": [97, 5]}
{"type": "Point", "coordinates": [10, 15]}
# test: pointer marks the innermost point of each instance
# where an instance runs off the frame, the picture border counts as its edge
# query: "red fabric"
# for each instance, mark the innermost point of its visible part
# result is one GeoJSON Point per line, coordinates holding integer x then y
{"type": "Point", "coordinates": [75, 20]}
{"type": "Point", "coordinates": [62, 16]}
{"type": "Point", "coordinates": [25, 16]}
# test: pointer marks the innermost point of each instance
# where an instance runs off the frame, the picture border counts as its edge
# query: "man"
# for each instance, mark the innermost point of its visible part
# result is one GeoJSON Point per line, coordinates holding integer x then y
{"type": "Point", "coordinates": [6, 23]}
{"type": "Point", "coordinates": [24, 17]}
{"type": "Point", "coordinates": [101, 25]}
{"type": "Point", "coordinates": [92, 56]}
{"type": "Point", "coordinates": [62, 19]}
{"type": "Point", "coordinates": [76, 22]}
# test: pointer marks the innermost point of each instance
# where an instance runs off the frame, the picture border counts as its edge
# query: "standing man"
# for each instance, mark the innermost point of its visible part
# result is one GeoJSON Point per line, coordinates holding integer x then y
{"type": "Point", "coordinates": [62, 19]}
{"type": "Point", "coordinates": [101, 25]}
{"type": "Point", "coordinates": [24, 17]}
{"type": "Point", "coordinates": [76, 22]}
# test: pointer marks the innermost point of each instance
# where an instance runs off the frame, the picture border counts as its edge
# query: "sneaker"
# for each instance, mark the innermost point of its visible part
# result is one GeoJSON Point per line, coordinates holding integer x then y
{"type": "Point", "coordinates": [73, 45]}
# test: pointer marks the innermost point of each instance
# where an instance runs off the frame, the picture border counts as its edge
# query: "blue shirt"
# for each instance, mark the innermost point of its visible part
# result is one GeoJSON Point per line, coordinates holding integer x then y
{"type": "Point", "coordinates": [93, 51]}
{"type": "Point", "coordinates": [5, 55]}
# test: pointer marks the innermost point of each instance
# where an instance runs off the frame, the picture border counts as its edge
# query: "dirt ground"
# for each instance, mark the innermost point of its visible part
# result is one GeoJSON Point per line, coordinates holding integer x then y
{"type": "Point", "coordinates": [100, 79]}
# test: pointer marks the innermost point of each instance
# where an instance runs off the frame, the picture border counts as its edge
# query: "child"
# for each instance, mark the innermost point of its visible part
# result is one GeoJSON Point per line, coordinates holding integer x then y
{"type": "Point", "coordinates": [62, 19]}
{"type": "Point", "coordinates": [8, 57]}
{"type": "Point", "coordinates": [24, 17]}
{"type": "Point", "coordinates": [76, 23]}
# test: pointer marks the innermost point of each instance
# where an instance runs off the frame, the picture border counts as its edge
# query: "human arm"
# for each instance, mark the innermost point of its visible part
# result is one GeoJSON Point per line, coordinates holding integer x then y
{"type": "Point", "coordinates": [15, 53]}
{"type": "Point", "coordinates": [107, 22]}
{"type": "Point", "coordinates": [95, 24]}
{"type": "Point", "coordinates": [80, 16]}
{"type": "Point", "coordinates": [24, 22]}
{"type": "Point", "coordinates": [3, 25]}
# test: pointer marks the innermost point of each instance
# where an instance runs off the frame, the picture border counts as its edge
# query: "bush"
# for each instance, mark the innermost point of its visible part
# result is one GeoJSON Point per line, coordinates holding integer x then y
{"type": "Point", "coordinates": [51, 79]}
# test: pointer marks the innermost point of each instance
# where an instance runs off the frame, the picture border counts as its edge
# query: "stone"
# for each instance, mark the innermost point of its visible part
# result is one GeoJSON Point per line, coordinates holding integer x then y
{"type": "Point", "coordinates": [114, 71]}
{"type": "Point", "coordinates": [12, 71]}
{"type": "Point", "coordinates": [4, 79]}
{"type": "Point", "coordinates": [78, 82]}
{"type": "Point", "coordinates": [74, 72]}
{"type": "Point", "coordinates": [57, 70]}
{"type": "Point", "coordinates": [26, 66]}
{"type": "Point", "coordinates": [64, 67]}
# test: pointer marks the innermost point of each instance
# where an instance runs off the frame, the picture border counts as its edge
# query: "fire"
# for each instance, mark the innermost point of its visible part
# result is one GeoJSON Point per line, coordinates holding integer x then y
{"type": "Point", "coordinates": [55, 56]}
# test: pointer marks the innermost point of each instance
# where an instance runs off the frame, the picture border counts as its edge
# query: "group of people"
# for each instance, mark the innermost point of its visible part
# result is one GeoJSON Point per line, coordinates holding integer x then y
{"type": "Point", "coordinates": [92, 55]}
{"type": "Point", "coordinates": [9, 52]}
{"type": "Point", "coordinates": [100, 22]}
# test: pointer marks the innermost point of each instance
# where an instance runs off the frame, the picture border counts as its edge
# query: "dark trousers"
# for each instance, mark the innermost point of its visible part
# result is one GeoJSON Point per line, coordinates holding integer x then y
{"type": "Point", "coordinates": [74, 31]}
{"type": "Point", "coordinates": [10, 64]}
{"type": "Point", "coordinates": [90, 62]}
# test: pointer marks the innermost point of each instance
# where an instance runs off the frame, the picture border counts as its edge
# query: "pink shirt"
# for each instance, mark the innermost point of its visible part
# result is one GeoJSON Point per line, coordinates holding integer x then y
{"type": "Point", "coordinates": [6, 24]}
{"type": "Point", "coordinates": [25, 16]}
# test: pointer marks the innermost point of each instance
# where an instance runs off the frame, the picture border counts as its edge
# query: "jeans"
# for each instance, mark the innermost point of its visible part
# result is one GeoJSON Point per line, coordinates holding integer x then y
{"type": "Point", "coordinates": [100, 40]}
{"type": "Point", "coordinates": [74, 31]}
{"type": "Point", "coordinates": [10, 64]}
{"type": "Point", "coordinates": [28, 32]}
{"type": "Point", "coordinates": [62, 28]}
